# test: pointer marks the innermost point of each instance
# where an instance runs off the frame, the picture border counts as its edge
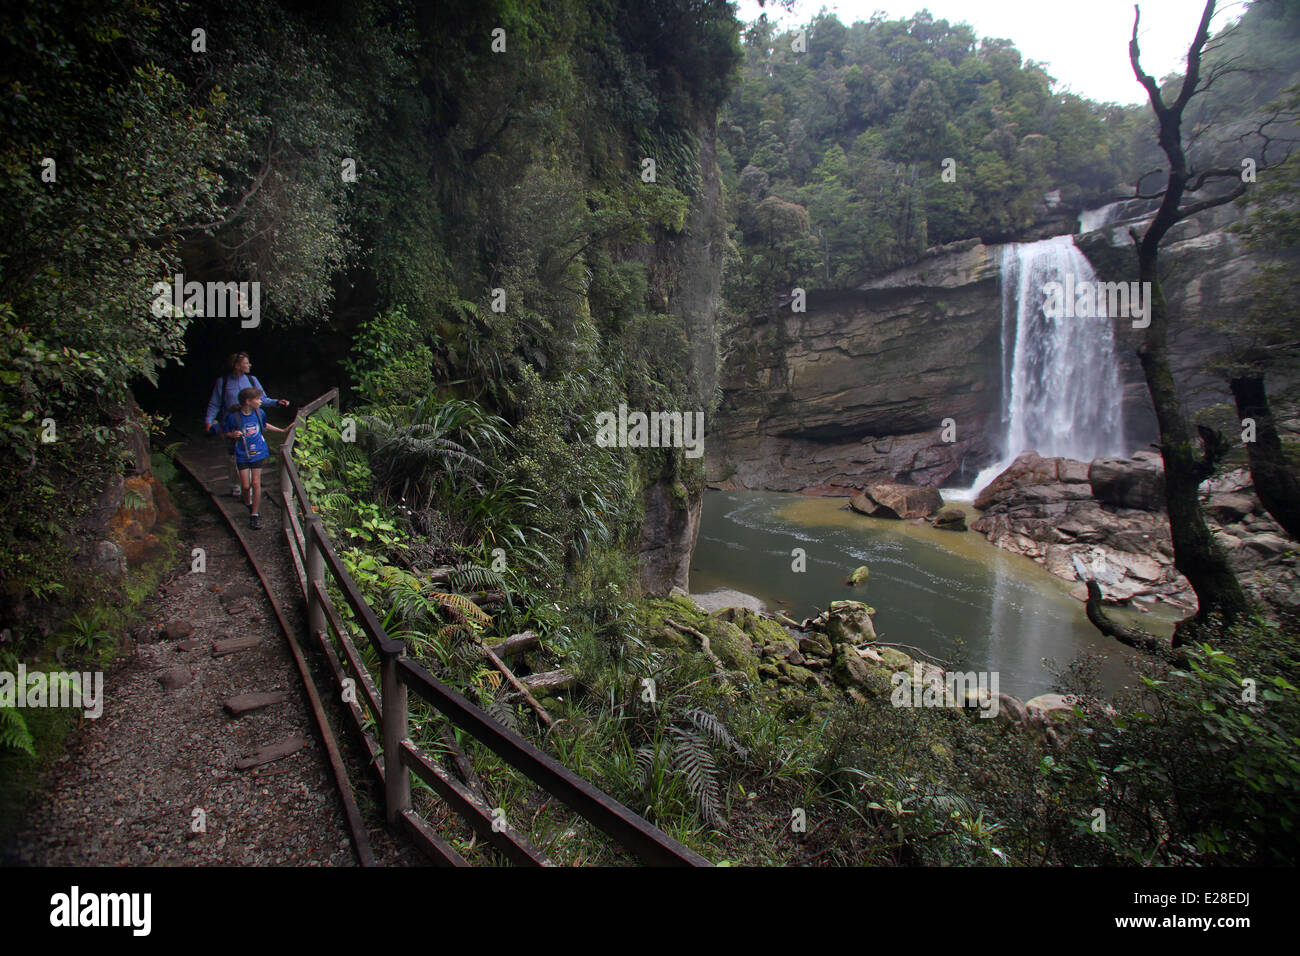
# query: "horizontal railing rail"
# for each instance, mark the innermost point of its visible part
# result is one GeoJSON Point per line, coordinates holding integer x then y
{"type": "Point", "coordinates": [393, 756]}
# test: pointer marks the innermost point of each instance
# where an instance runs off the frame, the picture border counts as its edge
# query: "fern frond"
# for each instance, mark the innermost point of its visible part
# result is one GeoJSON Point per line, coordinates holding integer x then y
{"type": "Point", "coordinates": [471, 577]}
{"type": "Point", "coordinates": [693, 760]}
{"type": "Point", "coordinates": [715, 730]}
{"type": "Point", "coordinates": [503, 713]}
{"type": "Point", "coordinates": [646, 759]}
{"type": "Point", "coordinates": [458, 602]}
{"type": "Point", "coordinates": [14, 733]}
{"type": "Point", "coordinates": [948, 803]}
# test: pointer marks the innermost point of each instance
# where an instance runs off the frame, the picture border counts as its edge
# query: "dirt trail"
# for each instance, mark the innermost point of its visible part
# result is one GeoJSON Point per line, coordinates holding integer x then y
{"type": "Point", "coordinates": [154, 780]}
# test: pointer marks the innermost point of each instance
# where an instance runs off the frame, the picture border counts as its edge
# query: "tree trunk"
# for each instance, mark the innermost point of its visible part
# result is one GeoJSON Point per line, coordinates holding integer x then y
{"type": "Point", "coordinates": [1197, 558]}
{"type": "Point", "coordinates": [1275, 483]}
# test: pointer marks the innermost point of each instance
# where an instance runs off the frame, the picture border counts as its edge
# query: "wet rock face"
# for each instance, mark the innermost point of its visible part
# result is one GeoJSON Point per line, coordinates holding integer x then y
{"type": "Point", "coordinates": [855, 389]}
{"type": "Point", "coordinates": [1042, 508]}
{"type": "Point", "coordinates": [1137, 482]}
{"type": "Point", "coordinates": [672, 522]}
{"type": "Point", "coordinates": [691, 264]}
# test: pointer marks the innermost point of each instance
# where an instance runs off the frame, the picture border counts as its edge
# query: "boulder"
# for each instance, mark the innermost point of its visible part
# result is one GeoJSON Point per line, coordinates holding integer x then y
{"type": "Point", "coordinates": [1138, 565]}
{"type": "Point", "coordinates": [733, 647]}
{"type": "Point", "coordinates": [814, 645]}
{"type": "Point", "coordinates": [1137, 482]}
{"type": "Point", "coordinates": [1053, 706]}
{"type": "Point", "coordinates": [107, 558]}
{"type": "Point", "coordinates": [951, 519]}
{"type": "Point", "coordinates": [1269, 544]}
{"type": "Point", "coordinates": [897, 501]}
{"type": "Point", "coordinates": [1230, 482]}
{"type": "Point", "coordinates": [783, 651]}
{"type": "Point", "coordinates": [895, 659]}
{"type": "Point", "coordinates": [796, 674]}
{"type": "Point", "coordinates": [1011, 709]}
{"type": "Point", "coordinates": [851, 671]}
{"type": "Point", "coordinates": [1228, 507]}
{"type": "Point", "coordinates": [845, 622]}
{"type": "Point", "coordinates": [859, 576]}
{"type": "Point", "coordinates": [1049, 477]}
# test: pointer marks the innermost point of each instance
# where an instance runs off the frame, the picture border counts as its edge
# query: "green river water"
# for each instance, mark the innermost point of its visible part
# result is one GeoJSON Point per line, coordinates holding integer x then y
{"type": "Point", "coordinates": [952, 594]}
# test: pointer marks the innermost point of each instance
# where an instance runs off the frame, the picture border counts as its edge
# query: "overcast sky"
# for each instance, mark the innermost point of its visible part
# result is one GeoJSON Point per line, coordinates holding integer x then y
{"type": "Point", "coordinates": [1084, 45]}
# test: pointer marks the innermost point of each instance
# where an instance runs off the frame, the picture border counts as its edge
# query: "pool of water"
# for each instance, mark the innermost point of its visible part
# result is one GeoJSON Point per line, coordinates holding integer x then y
{"type": "Point", "coordinates": [952, 594]}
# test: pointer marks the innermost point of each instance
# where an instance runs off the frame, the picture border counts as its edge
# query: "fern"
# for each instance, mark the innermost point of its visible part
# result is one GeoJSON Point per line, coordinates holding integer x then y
{"type": "Point", "coordinates": [693, 759]}
{"type": "Point", "coordinates": [502, 713]}
{"type": "Point", "coordinates": [460, 605]}
{"type": "Point", "coordinates": [713, 728]}
{"type": "Point", "coordinates": [14, 733]}
{"type": "Point", "coordinates": [471, 577]}
{"type": "Point", "coordinates": [947, 804]}
{"type": "Point", "coordinates": [646, 759]}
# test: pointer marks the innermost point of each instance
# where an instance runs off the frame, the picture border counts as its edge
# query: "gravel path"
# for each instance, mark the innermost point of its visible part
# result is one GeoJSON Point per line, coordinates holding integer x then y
{"type": "Point", "coordinates": [152, 781]}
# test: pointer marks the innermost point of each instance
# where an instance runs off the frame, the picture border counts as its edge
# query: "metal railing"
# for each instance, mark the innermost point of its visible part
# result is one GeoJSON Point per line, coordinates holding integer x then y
{"type": "Point", "coordinates": [393, 756]}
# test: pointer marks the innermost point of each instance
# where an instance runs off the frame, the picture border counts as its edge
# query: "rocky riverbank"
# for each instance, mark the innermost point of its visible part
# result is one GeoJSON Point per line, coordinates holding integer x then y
{"type": "Point", "coordinates": [809, 664]}
{"type": "Point", "coordinates": [1109, 514]}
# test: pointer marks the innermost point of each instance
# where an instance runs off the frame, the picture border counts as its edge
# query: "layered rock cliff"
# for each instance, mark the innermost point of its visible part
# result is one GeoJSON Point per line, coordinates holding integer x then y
{"type": "Point", "coordinates": [857, 388]}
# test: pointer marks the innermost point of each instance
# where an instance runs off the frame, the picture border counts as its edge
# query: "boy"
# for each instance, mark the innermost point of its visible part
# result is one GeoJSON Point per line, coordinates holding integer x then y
{"type": "Point", "coordinates": [238, 375]}
{"type": "Point", "coordinates": [244, 425]}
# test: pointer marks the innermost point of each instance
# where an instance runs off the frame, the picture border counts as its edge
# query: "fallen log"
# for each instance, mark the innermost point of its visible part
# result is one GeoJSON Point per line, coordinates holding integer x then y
{"type": "Point", "coordinates": [517, 684]}
{"type": "Point", "coordinates": [550, 681]}
{"type": "Point", "coordinates": [516, 644]}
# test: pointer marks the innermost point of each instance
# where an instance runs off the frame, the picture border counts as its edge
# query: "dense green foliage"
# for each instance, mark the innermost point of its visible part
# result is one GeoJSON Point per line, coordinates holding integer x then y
{"type": "Point", "coordinates": [517, 275]}
{"type": "Point", "coordinates": [836, 152]}
{"type": "Point", "coordinates": [132, 154]}
{"type": "Point", "coordinates": [228, 157]}
{"type": "Point", "coordinates": [1197, 765]}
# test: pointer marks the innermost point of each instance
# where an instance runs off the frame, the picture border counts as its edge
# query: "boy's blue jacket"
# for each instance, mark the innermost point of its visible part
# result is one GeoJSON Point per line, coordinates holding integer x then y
{"type": "Point", "coordinates": [219, 404]}
{"type": "Point", "coordinates": [251, 447]}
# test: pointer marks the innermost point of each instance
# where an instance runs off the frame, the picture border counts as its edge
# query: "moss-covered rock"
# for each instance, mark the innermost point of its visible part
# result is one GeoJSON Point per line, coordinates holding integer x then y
{"type": "Point", "coordinates": [761, 630]}
{"type": "Point", "coordinates": [895, 659]}
{"type": "Point", "coordinates": [847, 622]}
{"type": "Point", "coordinates": [733, 647]}
{"type": "Point", "coordinates": [783, 651]}
{"type": "Point", "coordinates": [859, 576]}
{"type": "Point", "coordinates": [798, 675]}
{"type": "Point", "coordinates": [666, 637]}
{"type": "Point", "coordinates": [815, 645]}
{"type": "Point", "coordinates": [851, 671]}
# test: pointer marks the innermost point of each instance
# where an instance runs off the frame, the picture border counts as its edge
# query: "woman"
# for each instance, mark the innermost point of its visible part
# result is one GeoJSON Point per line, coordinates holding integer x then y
{"type": "Point", "coordinates": [225, 398]}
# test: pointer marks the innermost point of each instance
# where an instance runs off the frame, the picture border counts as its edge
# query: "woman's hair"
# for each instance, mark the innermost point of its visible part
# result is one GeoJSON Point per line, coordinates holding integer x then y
{"type": "Point", "coordinates": [233, 360]}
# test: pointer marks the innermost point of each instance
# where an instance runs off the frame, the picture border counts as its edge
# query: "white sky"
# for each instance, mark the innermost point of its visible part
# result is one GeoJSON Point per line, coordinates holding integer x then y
{"type": "Point", "coordinates": [1084, 45]}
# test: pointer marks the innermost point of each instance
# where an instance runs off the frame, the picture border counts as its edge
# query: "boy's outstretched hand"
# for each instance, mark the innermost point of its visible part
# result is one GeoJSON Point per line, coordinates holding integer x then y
{"type": "Point", "coordinates": [283, 403]}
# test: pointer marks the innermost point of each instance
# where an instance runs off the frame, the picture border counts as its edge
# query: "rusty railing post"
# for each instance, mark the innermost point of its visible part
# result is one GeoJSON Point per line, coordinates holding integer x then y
{"type": "Point", "coordinates": [397, 781]}
{"type": "Point", "coordinates": [315, 575]}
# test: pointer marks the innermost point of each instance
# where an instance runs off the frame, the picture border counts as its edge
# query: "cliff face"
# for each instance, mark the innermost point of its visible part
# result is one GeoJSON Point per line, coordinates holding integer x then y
{"type": "Point", "coordinates": [855, 389]}
{"type": "Point", "coordinates": [1204, 271]}
{"type": "Point", "coordinates": [693, 264]}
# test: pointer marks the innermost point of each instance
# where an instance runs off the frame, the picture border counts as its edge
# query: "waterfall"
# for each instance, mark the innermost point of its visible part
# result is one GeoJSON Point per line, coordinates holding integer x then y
{"type": "Point", "coordinates": [1091, 219]}
{"type": "Point", "coordinates": [1060, 378]}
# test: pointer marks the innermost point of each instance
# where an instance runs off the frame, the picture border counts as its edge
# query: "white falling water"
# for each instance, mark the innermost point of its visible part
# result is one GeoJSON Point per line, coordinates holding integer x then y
{"type": "Point", "coordinates": [1060, 378]}
{"type": "Point", "coordinates": [1091, 219]}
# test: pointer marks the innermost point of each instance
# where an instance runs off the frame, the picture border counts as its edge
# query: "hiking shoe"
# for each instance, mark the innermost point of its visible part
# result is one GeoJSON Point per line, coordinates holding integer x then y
{"type": "Point", "coordinates": [255, 522]}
